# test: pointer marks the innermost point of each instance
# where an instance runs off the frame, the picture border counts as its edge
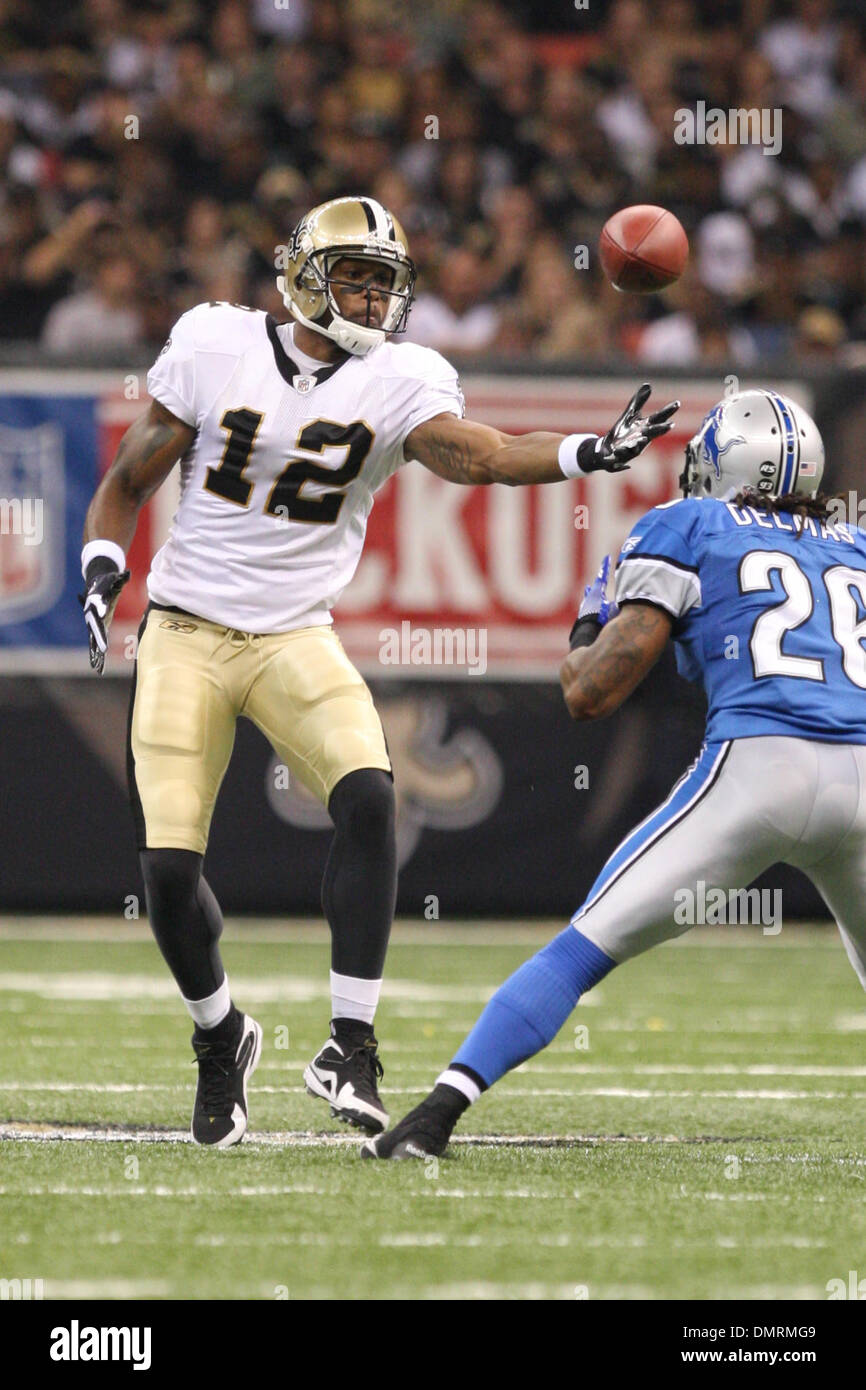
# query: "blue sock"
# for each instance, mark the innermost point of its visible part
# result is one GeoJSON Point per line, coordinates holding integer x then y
{"type": "Point", "coordinates": [527, 1012]}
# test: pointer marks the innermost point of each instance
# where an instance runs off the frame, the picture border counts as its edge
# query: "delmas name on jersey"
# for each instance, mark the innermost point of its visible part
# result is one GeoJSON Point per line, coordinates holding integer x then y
{"type": "Point", "coordinates": [278, 485]}
{"type": "Point", "coordinates": [769, 611]}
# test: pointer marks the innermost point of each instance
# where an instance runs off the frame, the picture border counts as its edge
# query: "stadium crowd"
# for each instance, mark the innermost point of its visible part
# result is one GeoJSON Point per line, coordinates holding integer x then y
{"type": "Point", "coordinates": [157, 153]}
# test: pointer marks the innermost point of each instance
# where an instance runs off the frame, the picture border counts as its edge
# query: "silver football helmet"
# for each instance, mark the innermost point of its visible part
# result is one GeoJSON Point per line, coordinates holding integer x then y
{"type": "Point", "coordinates": [757, 439]}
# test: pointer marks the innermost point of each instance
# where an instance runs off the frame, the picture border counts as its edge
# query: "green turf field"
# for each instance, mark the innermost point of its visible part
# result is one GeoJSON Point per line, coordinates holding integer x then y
{"type": "Point", "coordinates": [704, 1138]}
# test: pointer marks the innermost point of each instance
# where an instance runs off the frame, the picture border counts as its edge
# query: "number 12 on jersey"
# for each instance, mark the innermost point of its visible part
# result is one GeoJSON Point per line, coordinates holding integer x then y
{"type": "Point", "coordinates": [285, 500]}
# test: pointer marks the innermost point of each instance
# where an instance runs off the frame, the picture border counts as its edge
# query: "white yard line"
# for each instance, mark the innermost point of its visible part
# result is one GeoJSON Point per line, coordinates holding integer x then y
{"type": "Point", "coordinates": [107, 1288]}
{"type": "Point", "coordinates": [483, 1289]}
{"type": "Point", "coordinates": [579, 1068]}
{"type": "Point", "coordinates": [274, 989]}
{"type": "Point", "coordinates": [514, 1092]}
{"type": "Point", "coordinates": [98, 1087]}
{"type": "Point", "coordinates": [36, 1132]}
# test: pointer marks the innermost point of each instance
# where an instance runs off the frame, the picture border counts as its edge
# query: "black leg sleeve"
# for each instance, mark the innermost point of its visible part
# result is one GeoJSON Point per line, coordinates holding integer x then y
{"type": "Point", "coordinates": [359, 888]}
{"type": "Point", "coordinates": [185, 918]}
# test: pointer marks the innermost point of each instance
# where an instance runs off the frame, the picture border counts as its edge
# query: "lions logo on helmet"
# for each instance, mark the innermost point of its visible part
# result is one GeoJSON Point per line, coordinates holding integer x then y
{"type": "Point", "coordinates": [710, 448]}
{"type": "Point", "coordinates": [758, 439]}
{"type": "Point", "coordinates": [363, 229]}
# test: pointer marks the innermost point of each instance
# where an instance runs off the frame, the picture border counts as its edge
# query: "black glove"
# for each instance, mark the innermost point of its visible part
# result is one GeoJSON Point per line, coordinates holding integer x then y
{"type": "Point", "coordinates": [103, 582]}
{"type": "Point", "coordinates": [628, 437]}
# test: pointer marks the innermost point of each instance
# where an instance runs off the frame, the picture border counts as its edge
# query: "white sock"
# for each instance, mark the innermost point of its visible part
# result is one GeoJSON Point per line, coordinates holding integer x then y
{"type": "Point", "coordinates": [207, 1013]}
{"type": "Point", "coordinates": [352, 997]}
{"type": "Point", "coordinates": [459, 1081]}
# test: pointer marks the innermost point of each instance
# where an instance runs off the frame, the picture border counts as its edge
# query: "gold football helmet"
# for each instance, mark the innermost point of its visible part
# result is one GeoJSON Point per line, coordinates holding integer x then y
{"type": "Point", "coordinates": [363, 229]}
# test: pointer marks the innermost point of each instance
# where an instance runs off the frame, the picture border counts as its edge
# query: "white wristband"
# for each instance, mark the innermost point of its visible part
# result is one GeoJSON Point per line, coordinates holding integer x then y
{"type": "Point", "coordinates": [110, 549]}
{"type": "Point", "coordinates": [568, 454]}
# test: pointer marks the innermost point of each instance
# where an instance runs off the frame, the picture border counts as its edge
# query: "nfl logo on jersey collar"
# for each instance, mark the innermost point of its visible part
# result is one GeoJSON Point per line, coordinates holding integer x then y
{"type": "Point", "coordinates": [303, 382]}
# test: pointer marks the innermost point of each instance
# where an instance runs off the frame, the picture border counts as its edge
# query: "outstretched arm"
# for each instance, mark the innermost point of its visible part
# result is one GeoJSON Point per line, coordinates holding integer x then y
{"type": "Point", "coordinates": [597, 679]}
{"type": "Point", "coordinates": [464, 451]}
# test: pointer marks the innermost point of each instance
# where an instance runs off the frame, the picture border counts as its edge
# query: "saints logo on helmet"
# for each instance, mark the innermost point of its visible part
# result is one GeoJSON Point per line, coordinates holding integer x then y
{"type": "Point", "coordinates": [758, 439]}
{"type": "Point", "coordinates": [362, 229]}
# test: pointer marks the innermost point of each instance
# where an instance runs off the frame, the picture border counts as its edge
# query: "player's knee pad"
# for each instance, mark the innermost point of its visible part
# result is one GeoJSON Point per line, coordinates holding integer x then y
{"type": "Point", "coordinates": [362, 804]}
{"type": "Point", "coordinates": [171, 881]}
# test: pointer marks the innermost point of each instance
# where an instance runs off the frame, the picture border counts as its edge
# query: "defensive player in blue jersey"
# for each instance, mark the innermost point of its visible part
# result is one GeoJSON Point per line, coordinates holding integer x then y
{"type": "Point", "coordinates": [764, 596]}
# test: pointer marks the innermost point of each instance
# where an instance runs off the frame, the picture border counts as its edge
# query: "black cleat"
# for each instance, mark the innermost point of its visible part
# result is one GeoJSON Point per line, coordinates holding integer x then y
{"type": "Point", "coordinates": [224, 1067]}
{"type": "Point", "coordinates": [423, 1133]}
{"type": "Point", "coordinates": [345, 1073]}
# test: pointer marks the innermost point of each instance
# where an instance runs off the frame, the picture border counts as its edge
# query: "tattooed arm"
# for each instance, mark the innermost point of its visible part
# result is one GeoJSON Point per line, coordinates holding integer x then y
{"type": "Point", "coordinates": [595, 680]}
{"type": "Point", "coordinates": [148, 451]}
{"type": "Point", "coordinates": [465, 452]}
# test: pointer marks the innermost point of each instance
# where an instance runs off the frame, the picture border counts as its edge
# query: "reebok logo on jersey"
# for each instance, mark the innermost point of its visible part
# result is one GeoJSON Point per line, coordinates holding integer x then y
{"type": "Point", "coordinates": [173, 625]}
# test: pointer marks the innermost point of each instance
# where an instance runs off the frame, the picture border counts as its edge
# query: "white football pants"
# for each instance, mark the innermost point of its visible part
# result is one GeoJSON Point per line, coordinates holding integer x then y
{"type": "Point", "coordinates": [741, 807]}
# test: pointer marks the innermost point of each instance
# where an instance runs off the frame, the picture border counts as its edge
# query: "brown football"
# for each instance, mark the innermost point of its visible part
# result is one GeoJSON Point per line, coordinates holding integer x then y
{"type": "Point", "coordinates": [643, 249]}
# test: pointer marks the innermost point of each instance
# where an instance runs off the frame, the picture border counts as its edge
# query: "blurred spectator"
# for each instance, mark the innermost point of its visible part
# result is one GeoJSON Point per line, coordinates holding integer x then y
{"type": "Point", "coordinates": [803, 51]}
{"type": "Point", "coordinates": [209, 255]}
{"type": "Point", "coordinates": [697, 333]}
{"type": "Point", "coordinates": [40, 268]}
{"type": "Point", "coordinates": [285, 22]}
{"type": "Point", "coordinates": [559, 314]}
{"type": "Point", "coordinates": [455, 319]}
{"type": "Point", "coordinates": [56, 113]}
{"type": "Point", "coordinates": [101, 317]}
{"type": "Point", "coordinates": [625, 116]}
{"type": "Point", "coordinates": [820, 334]}
{"type": "Point", "coordinates": [725, 254]}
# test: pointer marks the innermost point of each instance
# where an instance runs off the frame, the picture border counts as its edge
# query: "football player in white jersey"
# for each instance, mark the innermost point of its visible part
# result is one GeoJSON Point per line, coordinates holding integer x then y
{"type": "Point", "coordinates": [284, 432]}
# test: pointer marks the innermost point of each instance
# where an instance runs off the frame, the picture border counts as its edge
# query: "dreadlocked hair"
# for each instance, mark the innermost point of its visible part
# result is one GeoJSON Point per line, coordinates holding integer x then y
{"type": "Point", "coordinates": [819, 506]}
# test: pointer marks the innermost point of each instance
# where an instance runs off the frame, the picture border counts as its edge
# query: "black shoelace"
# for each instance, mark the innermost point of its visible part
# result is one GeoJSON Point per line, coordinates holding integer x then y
{"type": "Point", "coordinates": [213, 1078]}
{"type": "Point", "coordinates": [371, 1064]}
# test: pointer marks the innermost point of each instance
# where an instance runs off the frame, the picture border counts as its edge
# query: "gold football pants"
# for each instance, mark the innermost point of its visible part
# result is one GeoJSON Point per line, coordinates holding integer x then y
{"type": "Point", "coordinates": [193, 679]}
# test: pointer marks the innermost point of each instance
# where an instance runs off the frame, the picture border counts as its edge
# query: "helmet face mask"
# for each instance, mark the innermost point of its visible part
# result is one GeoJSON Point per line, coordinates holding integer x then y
{"type": "Point", "coordinates": [356, 229]}
{"type": "Point", "coordinates": [755, 439]}
{"type": "Point", "coordinates": [398, 292]}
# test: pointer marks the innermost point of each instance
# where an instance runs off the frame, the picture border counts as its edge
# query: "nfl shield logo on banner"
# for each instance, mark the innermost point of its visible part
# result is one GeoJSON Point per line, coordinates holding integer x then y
{"type": "Point", "coordinates": [32, 521]}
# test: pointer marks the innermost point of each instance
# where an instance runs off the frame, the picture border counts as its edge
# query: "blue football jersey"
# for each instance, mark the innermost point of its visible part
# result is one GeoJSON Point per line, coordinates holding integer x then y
{"type": "Point", "coordinates": [768, 613]}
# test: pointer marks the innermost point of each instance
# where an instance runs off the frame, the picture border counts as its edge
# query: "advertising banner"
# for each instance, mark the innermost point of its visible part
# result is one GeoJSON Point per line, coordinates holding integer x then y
{"type": "Point", "coordinates": [459, 581]}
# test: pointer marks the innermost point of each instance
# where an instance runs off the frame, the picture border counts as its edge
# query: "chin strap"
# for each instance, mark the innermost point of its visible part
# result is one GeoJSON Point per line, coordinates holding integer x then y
{"type": "Point", "coordinates": [351, 337]}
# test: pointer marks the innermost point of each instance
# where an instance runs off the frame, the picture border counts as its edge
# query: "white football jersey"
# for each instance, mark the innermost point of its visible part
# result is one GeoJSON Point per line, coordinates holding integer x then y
{"type": "Point", "coordinates": [278, 485]}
